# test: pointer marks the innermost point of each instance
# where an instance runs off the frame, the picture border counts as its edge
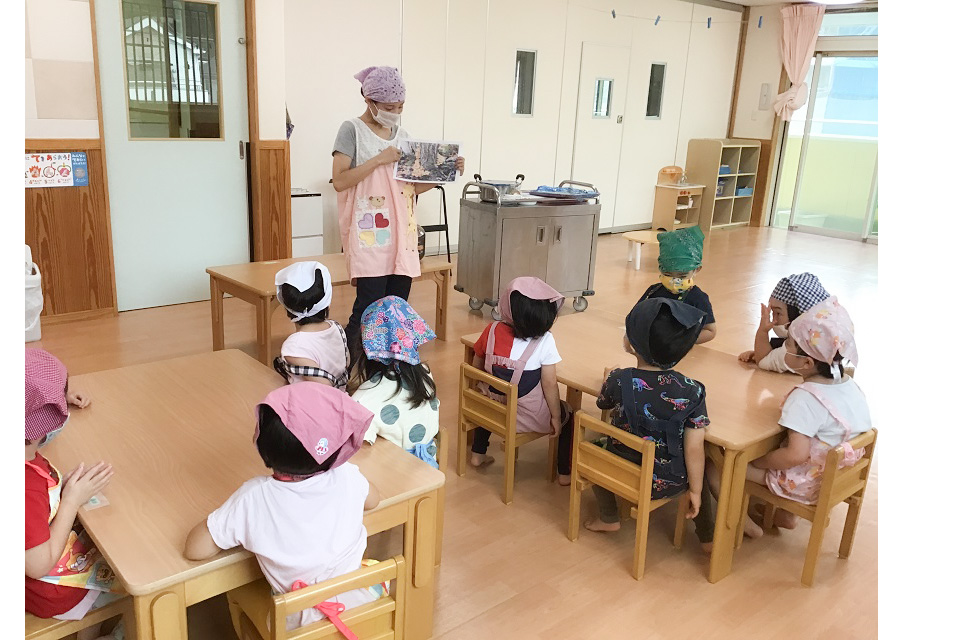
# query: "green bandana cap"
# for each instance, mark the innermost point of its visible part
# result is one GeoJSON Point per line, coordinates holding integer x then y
{"type": "Point", "coordinates": [680, 250]}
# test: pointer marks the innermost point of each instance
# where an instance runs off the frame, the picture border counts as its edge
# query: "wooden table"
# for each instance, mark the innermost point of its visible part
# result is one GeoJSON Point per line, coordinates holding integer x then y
{"type": "Point", "coordinates": [637, 239]}
{"type": "Point", "coordinates": [254, 283]}
{"type": "Point", "coordinates": [743, 403]}
{"type": "Point", "coordinates": [178, 433]}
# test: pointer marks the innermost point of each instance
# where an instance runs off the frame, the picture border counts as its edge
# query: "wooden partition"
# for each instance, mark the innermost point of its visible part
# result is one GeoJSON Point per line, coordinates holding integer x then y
{"type": "Point", "coordinates": [270, 173]}
{"type": "Point", "coordinates": [68, 230]}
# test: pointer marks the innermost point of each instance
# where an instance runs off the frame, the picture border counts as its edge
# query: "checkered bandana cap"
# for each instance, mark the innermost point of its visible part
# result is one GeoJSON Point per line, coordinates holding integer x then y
{"type": "Point", "coordinates": [802, 290]}
{"type": "Point", "coordinates": [45, 383]}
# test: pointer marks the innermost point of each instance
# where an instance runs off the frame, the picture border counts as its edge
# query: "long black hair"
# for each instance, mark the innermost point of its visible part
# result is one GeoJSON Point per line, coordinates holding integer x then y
{"type": "Point", "coordinates": [293, 299]}
{"type": "Point", "coordinates": [414, 378]}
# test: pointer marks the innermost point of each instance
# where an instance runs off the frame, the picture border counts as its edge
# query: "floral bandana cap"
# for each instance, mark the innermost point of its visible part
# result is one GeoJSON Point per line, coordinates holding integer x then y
{"type": "Point", "coordinates": [824, 331]}
{"type": "Point", "coordinates": [391, 330]}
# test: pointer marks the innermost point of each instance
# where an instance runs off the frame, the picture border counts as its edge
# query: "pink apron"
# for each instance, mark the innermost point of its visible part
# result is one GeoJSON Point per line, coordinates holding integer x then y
{"type": "Point", "coordinates": [802, 482]}
{"type": "Point", "coordinates": [378, 228]}
{"type": "Point", "coordinates": [533, 412]}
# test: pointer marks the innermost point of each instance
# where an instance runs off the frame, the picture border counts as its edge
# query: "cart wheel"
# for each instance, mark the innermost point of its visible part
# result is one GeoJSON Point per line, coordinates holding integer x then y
{"type": "Point", "coordinates": [580, 303]}
{"type": "Point", "coordinates": [476, 304]}
{"type": "Point", "coordinates": [495, 314]}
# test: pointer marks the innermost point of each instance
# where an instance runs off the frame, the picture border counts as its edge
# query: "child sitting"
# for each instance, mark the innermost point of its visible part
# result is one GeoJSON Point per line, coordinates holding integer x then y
{"type": "Point", "coordinates": [656, 403]}
{"type": "Point", "coordinates": [828, 409]}
{"type": "Point", "coordinates": [305, 521]}
{"type": "Point", "coordinates": [793, 295]}
{"type": "Point", "coordinates": [317, 351]}
{"type": "Point", "coordinates": [390, 380]}
{"type": "Point", "coordinates": [521, 349]}
{"type": "Point", "coordinates": [53, 588]}
{"type": "Point", "coordinates": [681, 256]}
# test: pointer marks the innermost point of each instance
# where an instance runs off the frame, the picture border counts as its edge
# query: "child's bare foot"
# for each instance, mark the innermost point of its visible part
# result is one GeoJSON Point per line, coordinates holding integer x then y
{"type": "Point", "coordinates": [706, 547]}
{"type": "Point", "coordinates": [599, 525]}
{"type": "Point", "coordinates": [751, 529]}
{"type": "Point", "coordinates": [563, 480]}
{"type": "Point", "coordinates": [784, 519]}
{"type": "Point", "coordinates": [478, 460]}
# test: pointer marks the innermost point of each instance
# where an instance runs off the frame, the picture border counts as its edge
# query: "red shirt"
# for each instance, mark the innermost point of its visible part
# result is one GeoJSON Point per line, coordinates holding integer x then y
{"type": "Point", "coordinates": [503, 346]}
{"type": "Point", "coordinates": [43, 599]}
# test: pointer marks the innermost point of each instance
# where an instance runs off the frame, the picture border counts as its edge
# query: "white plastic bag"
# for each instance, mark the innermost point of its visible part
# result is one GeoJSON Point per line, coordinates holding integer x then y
{"type": "Point", "coordinates": [33, 302]}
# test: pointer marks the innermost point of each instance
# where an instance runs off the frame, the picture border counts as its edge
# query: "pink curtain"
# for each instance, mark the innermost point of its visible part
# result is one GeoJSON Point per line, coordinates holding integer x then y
{"type": "Point", "coordinates": [801, 24]}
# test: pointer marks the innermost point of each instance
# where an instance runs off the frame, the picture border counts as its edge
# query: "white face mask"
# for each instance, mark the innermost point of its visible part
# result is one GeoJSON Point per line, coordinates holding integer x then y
{"type": "Point", "coordinates": [47, 439]}
{"type": "Point", "coordinates": [386, 119]}
{"type": "Point", "coordinates": [780, 331]}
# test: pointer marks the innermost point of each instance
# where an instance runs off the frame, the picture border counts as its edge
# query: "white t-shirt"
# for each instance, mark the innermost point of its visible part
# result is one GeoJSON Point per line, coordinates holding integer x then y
{"type": "Point", "coordinates": [775, 361]}
{"type": "Point", "coordinates": [393, 417]}
{"type": "Point", "coordinates": [545, 353]}
{"type": "Point", "coordinates": [805, 414]}
{"type": "Point", "coordinates": [310, 530]}
{"type": "Point", "coordinates": [326, 348]}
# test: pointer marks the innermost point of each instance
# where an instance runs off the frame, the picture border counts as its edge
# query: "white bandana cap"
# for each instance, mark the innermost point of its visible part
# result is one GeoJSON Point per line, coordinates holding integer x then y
{"type": "Point", "coordinates": [301, 276]}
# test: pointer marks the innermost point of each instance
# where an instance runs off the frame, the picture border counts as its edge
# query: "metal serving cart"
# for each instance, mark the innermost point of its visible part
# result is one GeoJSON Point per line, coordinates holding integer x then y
{"type": "Point", "coordinates": [504, 236]}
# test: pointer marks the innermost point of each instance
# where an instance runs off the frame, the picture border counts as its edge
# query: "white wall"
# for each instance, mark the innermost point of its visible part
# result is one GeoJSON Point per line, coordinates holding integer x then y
{"type": "Point", "coordinates": [270, 69]}
{"type": "Point", "coordinates": [761, 64]}
{"type": "Point", "coordinates": [457, 59]}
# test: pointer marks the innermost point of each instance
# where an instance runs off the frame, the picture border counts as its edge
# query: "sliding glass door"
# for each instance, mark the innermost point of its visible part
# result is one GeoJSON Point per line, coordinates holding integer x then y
{"type": "Point", "coordinates": [828, 165]}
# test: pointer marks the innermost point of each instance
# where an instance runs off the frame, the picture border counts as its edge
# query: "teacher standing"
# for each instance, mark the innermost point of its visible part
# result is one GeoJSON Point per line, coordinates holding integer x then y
{"type": "Point", "coordinates": [378, 226]}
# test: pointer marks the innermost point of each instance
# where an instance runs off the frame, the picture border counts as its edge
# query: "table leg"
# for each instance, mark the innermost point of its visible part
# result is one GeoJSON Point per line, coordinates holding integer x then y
{"type": "Point", "coordinates": [216, 313]}
{"type": "Point", "coordinates": [721, 559]}
{"type": "Point", "coordinates": [574, 399]}
{"type": "Point", "coordinates": [629, 251]}
{"type": "Point", "coordinates": [419, 547]}
{"type": "Point", "coordinates": [264, 330]}
{"type": "Point", "coordinates": [637, 246]}
{"type": "Point", "coordinates": [161, 615]}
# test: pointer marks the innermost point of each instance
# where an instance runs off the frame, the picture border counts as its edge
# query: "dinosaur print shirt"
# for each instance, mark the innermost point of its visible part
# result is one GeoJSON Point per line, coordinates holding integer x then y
{"type": "Point", "coordinates": [658, 396]}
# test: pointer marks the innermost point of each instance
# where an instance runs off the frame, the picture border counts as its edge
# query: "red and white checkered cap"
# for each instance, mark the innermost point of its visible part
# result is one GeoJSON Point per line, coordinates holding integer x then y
{"type": "Point", "coordinates": [45, 379]}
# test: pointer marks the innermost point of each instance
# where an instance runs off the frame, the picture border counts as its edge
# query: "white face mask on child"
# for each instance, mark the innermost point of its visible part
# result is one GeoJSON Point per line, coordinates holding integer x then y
{"type": "Point", "coordinates": [780, 330]}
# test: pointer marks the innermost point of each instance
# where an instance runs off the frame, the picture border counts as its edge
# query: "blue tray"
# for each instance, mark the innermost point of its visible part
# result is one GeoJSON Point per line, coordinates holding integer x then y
{"type": "Point", "coordinates": [563, 192]}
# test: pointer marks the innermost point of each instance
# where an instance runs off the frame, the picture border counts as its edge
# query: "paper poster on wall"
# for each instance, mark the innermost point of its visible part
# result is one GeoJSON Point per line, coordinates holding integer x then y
{"type": "Point", "coordinates": [426, 161]}
{"type": "Point", "coordinates": [56, 169]}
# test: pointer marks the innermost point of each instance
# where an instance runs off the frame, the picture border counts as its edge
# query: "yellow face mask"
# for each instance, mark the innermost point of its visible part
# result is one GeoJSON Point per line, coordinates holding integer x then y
{"type": "Point", "coordinates": [676, 285]}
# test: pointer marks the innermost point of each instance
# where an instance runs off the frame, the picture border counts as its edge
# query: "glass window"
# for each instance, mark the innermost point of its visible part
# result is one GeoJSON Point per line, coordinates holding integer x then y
{"type": "Point", "coordinates": [172, 67]}
{"type": "Point", "coordinates": [524, 74]}
{"type": "Point", "coordinates": [602, 96]}
{"type": "Point", "coordinates": [658, 72]}
{"type": "Point", "coordinates": [861, 23]}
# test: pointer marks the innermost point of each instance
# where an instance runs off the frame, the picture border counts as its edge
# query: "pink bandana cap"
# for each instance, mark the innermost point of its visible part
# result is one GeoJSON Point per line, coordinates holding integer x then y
{"type": "Point", "coordinates": [45, 382]}
{"type": "Point", "coordinates": [824, 331]}
{"type": "Point", "coordinates": [323, 419]}
{"type": "Point", "coordinates": [382, 84]}
{"type": "Point", "coordinates": [533, 288]}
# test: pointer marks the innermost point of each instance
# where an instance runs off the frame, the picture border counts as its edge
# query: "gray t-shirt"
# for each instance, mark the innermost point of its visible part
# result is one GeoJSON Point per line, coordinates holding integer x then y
{"type": "Point", "coordinates": [346, 140]}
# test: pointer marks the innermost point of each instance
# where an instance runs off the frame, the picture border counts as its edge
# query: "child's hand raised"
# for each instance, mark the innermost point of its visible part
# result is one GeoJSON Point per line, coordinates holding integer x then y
{"type": "Point", "coordinates": [82, 484]}
{"type": "Point", "coordinates": [766, 318]}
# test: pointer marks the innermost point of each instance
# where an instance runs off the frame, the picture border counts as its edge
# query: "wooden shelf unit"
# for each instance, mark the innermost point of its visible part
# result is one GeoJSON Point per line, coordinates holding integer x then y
{"type": "Point", "coordinates": [720, 204]}
{"type": "Point", "coordinates": [676, 206]}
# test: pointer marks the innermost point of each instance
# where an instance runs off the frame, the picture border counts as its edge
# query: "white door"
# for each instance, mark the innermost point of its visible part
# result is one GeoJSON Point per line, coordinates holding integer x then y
{"type": "Point", "coordinates": [173, 85]}
{"type": "Point", "coordinates": [600, 104]}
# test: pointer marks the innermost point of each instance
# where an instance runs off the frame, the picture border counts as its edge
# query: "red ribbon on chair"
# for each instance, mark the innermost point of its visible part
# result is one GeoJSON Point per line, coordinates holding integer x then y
{"type": "Point", "coordinates": [332, 610]}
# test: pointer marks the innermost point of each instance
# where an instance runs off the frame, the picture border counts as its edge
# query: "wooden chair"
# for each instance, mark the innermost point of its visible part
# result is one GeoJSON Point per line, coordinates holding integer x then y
{"type": "Point", "coordinates": [51, 629]}
{"type": "Point", "coordinates": [595, 465]}
{"type": "Point", "coordinates": [252, 605]}
{"type": "Point", "coordinates": [477, 410]}
{"type": "Point", "coordinates": [838, 485]}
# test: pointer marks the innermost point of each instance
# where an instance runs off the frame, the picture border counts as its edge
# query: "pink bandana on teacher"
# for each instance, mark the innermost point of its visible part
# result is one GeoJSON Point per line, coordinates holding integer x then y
{"type": "Point", "coordinates": [382, 84]}
{"type": "Point", "coordinates": [533, 288]}
{"type": "Point", "coordinates": [323, 419]}
{"type": "Point", "coordinates": [824, 331]}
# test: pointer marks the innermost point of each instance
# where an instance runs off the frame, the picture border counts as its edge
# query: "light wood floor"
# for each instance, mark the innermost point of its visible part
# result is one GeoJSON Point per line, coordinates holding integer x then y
{"type": "Point", "coordinates": [510, 572]}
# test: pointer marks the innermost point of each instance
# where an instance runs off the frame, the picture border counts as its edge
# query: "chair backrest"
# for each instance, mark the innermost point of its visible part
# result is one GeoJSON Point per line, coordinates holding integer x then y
{"type": "Point", "coordinates": [481, 410]}
{"type": "Point", "coordinates": [669, 175]}
{"type": "Point", "coordinates": [628, 480]}
{"type": "Point", "coordinates": [381, 619]}
{"type": "Point", "coordinates": [839, 484]}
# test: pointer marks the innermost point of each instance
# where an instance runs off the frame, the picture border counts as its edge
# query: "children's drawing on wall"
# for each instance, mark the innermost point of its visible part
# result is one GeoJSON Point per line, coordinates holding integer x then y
{"type": "Point", "coordinates": [423, 161]}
